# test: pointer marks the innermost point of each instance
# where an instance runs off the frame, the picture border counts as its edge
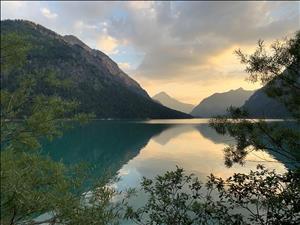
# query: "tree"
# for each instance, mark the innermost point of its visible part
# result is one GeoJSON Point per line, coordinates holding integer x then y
{"type": "Point", "coordinates": [280, 72]}
{"type": "Point", "coordinates": [32, 184]}
{"type": "Point", "coordinates": [260, 197]}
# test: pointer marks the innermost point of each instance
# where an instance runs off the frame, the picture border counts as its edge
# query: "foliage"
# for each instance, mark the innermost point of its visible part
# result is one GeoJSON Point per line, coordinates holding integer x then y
{"type": "Point", "coordinates": [31, 184]}
{"type": "Point", "coordinates": [91, 82]}
{"type": "Point", "coordinates": [252, 135]}
{"type": "Point", "coordinates": [260, 197]}
{"type": "Point", "coordinates": [11, 57]}
{"type": "Point", "coordinates": [280, 72]}
{"type": "Point", "coordinates": [34, 107]}
{"type": "Point", "coordinates": [25, 115]}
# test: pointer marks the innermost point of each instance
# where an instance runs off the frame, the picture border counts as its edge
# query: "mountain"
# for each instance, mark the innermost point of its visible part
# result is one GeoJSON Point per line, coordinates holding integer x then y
{"type": "Point", "coordinates": [259, 105]}
{"type": "Point", "coordinates": [172, 103]}
{"type": "Point", "coordinates": [94, 79]}
{"type": "Point", "coordinates": [218, 103]}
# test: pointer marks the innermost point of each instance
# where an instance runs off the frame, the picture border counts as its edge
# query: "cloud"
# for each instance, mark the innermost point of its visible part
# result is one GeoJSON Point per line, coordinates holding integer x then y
{"type": "Point", "coordinates": [16, 4]}
{"type": "Point", "coordinates": [48, 14]}
{"type": "Point", "coordinates": [124, 66]}
{"type": "Point", "coordinates": [82, 25]}
{"type": "Point", "coordinates": [169, 44]}
{"type": "Point", "coordinates": [17, 9]}
{"type": "Point", "coordinates": [179, 38]}
{"type": "Point", "coordinates": [138, 5]}
{"type": "Point", "coordinates": [108, 44]}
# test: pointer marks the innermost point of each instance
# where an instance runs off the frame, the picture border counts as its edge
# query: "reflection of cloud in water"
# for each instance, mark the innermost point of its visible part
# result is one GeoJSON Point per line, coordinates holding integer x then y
{"type": "Point", "coordinates": [197, 152]}
{"type": "Point", "coordinates": [138, 149]}
{"type": "Point", "coordinates": [205, 130]}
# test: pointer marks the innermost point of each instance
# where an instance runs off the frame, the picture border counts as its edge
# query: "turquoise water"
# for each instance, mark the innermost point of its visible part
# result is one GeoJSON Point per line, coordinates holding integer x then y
{"type": "Point", "coordinates": [145, 148]}
{"type": "Point", "coordinates": [133, 149]}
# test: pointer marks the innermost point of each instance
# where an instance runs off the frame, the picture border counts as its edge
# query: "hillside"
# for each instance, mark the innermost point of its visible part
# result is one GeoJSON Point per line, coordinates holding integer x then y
{"type": "Point", "coordinates": [172, 103]}
{"type": "Point", "coordinates": [259, 105]}
{"type": "Point", "coordinates": [218, 103]}
{"type": "Point", "coordinates": [95, 80]}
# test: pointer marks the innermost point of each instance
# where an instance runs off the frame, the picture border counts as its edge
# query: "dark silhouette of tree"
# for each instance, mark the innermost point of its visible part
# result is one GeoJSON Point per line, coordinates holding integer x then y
{"type": "Point", "coordinates": [32, 184]}
{"type": "Point", "coordinates": [259, 197]}
{"type": "Point", "coordinates": [280, 72]}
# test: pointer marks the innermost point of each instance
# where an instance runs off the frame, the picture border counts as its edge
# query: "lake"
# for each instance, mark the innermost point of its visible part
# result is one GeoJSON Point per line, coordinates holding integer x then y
{"type": "Point", "coordinates": [133, 149]}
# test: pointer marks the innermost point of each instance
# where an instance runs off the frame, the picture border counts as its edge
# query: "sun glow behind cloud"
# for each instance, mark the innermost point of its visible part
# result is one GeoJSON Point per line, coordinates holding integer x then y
{"type": "Point", "coordinates": [108, 44]}
{"type": "Point", "coordinates": [182, 48]}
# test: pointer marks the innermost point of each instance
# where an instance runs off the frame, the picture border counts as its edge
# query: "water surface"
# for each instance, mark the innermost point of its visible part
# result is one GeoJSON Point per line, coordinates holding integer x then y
{"type": "Point", "coordinates": [133, 149]}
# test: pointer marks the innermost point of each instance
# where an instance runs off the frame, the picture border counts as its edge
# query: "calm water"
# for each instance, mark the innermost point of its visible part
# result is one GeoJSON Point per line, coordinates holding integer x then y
{"type": "Point", "coordinates": [146, 148]}
{"type": "Point", "coordinates": [134, 149]}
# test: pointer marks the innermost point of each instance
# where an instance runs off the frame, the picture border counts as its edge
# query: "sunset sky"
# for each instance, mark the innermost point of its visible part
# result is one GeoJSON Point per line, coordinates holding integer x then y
{"type": "Point", "coordinates": [182, 48]}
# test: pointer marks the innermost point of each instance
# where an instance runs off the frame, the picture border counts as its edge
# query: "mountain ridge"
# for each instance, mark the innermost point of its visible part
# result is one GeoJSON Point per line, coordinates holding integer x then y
{"type": "Point", "coordinates": [168, 101]}
{"type": "Point", "coordinates": [97, 81]}
{"type": "Point", "coordinates": [217, 103]}
{"type": "Point", "coordinates": [260, 105]}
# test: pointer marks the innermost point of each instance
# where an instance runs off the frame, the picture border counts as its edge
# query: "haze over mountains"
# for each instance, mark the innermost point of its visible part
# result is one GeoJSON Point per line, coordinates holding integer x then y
{"type": "Point", "coordinates": [172, 103]}
{"type": "Point", "coordinates": [218, 103]}
{"type": "Point", "coordinates": [102, 87]}
{"type": "Point", "coordinates": [94, 79]}
{"type": "Point", "coordinates": [257, 104]}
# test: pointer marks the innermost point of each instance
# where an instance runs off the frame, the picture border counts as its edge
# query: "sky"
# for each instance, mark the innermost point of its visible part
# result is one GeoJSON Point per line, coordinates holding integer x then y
{"type": "Point", "coordinates": [182, 48]}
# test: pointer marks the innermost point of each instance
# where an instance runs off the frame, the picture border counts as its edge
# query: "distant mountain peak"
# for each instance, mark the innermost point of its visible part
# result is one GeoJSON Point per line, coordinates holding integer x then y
{"type": "Point", "coordinates": [166, 100]}
{"type": "Point", "coordinates": [217, 103]}
{"type": "Point", "coordinates": [234, 90]}
{"type": "Point", "coordinates": [162, 93]}
{"type": "Point", "coordinates": [96, 80]}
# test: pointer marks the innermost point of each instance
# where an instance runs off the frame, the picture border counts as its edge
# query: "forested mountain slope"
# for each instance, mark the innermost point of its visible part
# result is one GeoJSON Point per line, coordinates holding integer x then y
{"type": "Point", "coordinates": [93, 78]}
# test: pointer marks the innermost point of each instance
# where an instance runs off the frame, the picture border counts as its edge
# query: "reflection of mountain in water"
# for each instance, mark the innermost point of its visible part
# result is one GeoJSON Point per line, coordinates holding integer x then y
{"type": "Point", "coordinates": [108, 145]}
{"type": "Point", "coordinates": [212, 135]}
{"type": "Point", "coordinates": [105, 145]}
{"type": "Point", "coordinates": [204, 129]}
{"type": "Point", "coordinates": [169, 134]}
{"type": "Point", "coordinates": [209, 133]}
